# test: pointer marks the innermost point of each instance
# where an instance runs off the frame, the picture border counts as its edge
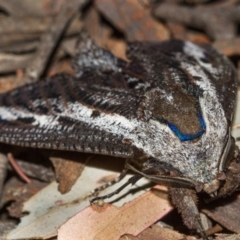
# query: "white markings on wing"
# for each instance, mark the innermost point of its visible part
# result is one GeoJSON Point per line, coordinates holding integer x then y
{"type": "Point", "coordinates": [197, 160]}
{"type": "Point", "coordinates": [13, 114]}
{"type": "Point", "coordinates": [213, 113]}
{"type": "Point", "coordinates": [198, 53]}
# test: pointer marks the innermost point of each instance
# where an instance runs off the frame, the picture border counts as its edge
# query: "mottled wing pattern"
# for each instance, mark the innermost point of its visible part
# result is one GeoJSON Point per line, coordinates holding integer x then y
{"type": "Point", "coordinates": [224, 78]}
{"type": "Point", "coordinates": [61, 113]}
{"type": "Point", "coordinates": [101, 108]}
{"type": "Point", "coordinates": [185, 65]}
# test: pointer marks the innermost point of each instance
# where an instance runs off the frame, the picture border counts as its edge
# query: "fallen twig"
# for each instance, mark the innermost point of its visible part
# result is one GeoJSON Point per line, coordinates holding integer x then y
{"type": "Point", "coordinates": [218, 22]}
{"type": "Point", "coordinates": [17, 168]}
{"type": "Point", "coordinates": [50, 39]}
{"type": "Point", "coordinates": [3, 171]}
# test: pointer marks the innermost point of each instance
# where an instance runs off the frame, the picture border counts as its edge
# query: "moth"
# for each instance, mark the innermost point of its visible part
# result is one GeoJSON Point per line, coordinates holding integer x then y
{"type": "Point", "coordinates": [169, 109]}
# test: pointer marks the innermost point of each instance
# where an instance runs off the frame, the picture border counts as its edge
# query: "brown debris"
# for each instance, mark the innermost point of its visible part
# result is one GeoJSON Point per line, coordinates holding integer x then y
{"type": "Point", "coordinates": [211, 231]}
{"type": "Point", "coordinates": [10, 62]}
{"type": "Point", "coordinates": [30, 8]}
{"type": "Point", "coordinates": [102, 34]}
{"type": "Point", "coordinates": [19, 192]}
{"type": "Point", "coordinates": [134, 20]}
{"type": "Point", "coordinates": [51, 38]}
{"type": "Point", "coordinates": [68, 168]}
{"type": "Point", "coordinates": [228, 237]}
{"type": "Point", "coordinates": [155, 233]}
{"type": "Point", "coordinates": [3, 171]}
{"type": "Point", "coordinates": [217, 21]}
{"type": "Point", "coordinates": [18, 36]}
{"type": "Point", "coordinates": [37, 171]}
{"type": "Point", "coordinates": [226, 213]}
{"type": "Point", "coordinates": [228, 47]}
{"type": "Point", "coordinates": [9, 82]}
{"type": "Point", "coordinates": [5, 227]}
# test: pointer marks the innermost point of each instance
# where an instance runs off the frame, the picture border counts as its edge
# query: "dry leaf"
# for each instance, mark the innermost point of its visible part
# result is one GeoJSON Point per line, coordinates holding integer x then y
{"type": "Point", "coordinates": [226, 213]}
{"type": "Point", "coordinates": [228, 237]}
{"type": "Point", "coordinates": [133, 19]}
{"type": "Point", "coordinates": [31, 8]}
{"type": "Point", "coordinates": [110, 222]}
{"type": "Point", "coordinates": [156, 232]}
{"type": "Point", "coordinates": [17, 192]}
{"type": "Point", "coordinates": [49, 209]}
{"type": "Point", "coordinates": [68, 168]}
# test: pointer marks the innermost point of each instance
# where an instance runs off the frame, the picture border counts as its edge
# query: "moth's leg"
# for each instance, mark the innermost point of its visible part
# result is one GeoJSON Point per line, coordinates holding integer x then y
{"type": "Point", "coordinates": [131, 181]}
{"type": "Point", "coordinates": [186, 202]}
{"type": "Point", "coordinates": [116, 180]}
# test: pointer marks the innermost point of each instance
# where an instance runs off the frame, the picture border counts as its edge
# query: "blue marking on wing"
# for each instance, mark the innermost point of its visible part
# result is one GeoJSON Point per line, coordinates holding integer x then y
{"type": "Point", "coordinates": [187, 137]}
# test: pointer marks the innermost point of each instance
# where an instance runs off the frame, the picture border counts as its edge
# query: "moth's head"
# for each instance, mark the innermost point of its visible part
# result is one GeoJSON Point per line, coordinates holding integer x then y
{"type": "Point", "coordinates": [227, 180]}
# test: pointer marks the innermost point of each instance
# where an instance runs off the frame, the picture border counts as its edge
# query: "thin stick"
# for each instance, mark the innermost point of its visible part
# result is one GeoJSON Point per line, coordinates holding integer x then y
{"type": "Point", "coordinates": [213, 230]}
{"type": "Point", "coordinates": [17, 168]}
{"type": "Point", "coordinates": [236, 126]}
{"type": "Point", "coordinates": [3, 172]}
{"type": "Point", "coordinates": [51, 38]}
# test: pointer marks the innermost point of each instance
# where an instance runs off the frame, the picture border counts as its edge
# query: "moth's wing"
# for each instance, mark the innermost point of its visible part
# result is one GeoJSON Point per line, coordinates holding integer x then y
{"type": "Point", "coordinates": [60, 113]}
{"type": "Point", "coordinates": [92, 61]}
{"type": "Point", "coordinates": [223, 76]}
{"type": "Point", "coordinates": [220, 74]}
{"type": "Point", "coordinates": [186, 65]}
{"type": "Point", "coordinates": [91, 57]}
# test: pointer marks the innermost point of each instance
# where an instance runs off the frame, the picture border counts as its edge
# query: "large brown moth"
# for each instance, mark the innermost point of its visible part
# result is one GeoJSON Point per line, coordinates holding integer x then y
{"type": "Point", "coordinates": [170, 108]}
